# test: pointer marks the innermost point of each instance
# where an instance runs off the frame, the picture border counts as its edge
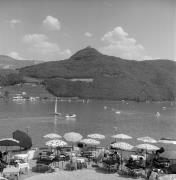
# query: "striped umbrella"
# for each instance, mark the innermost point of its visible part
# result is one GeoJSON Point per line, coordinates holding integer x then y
{"type": "Point", "coordinates": [9, 142]}
{"type": "Point", "coordinates": [56, 143]}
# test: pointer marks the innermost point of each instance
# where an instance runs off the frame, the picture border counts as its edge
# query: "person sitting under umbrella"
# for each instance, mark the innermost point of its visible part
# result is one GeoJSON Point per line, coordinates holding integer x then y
{"type": "Point", "coordinates": [141, 162]}
{"type": "Point", "coordinates": [116, 158]}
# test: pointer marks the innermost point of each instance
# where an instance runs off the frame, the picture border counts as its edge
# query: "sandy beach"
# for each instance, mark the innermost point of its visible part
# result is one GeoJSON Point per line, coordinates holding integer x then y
{"type": "Point", "coordinates": [84, 174]}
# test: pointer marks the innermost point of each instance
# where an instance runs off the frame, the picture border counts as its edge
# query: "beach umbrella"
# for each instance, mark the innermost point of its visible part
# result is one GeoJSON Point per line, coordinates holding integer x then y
{"type": "Point", "coordinates": [72, 137]}
{"type": "Point", "coordinates": [9, 142]}
{"type": "Point", "coordinates": [24, 140]}
{"type": "Point", "coordinates": [122, 146]}
{"type": "Point", "coordinates": [167, 141]}
{"type": "Point", "coordinates": [96, 136]}
{"type": "Point", "coordinates": [52, 136]}
{"type": "Point", "coordinates": [147, 147]}
{"type": "Point", "coordinates": [56, 143]}
{"type": "Point", "coordinates": [147, 139]}
{"type": "Point", "coordinates": [121, 136]}
{"type": "Point", "coordinates": [90, 142]}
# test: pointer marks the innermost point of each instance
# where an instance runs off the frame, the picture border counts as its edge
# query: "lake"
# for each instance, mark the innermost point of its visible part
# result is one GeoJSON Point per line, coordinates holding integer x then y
{"type": "Point", "coordinates": [105, 117]}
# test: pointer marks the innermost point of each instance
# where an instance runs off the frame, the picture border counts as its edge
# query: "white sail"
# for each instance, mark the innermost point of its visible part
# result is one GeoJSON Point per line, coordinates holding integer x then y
{"type": "Point", "coordinates": [55, 108]}
{"type": "Point", "coordinates": [157, 115]}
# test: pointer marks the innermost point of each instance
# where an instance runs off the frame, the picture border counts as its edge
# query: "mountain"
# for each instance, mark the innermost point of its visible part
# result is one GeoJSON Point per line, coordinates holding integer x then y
{"type": "Point", "coordinates": [7, 62]}
{"type": "Point", "coordinates": [90, 74]}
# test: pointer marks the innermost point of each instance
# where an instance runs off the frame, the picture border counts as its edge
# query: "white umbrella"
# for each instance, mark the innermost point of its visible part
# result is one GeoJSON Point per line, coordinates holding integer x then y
{"type": "Point", "coordinates": [96, 136]}
{"type": "Point", "coordinates": [147, 147]}
{"type": "Point", "coordinates": [56, 143]}
{"type": "Point", "coordinates": [90, 141]}
{"type": "Point", "coordinates": [121, 136]}
{"type": "Point", "coordinates": [52, 136]}
{"type": "Point", "coordinates": [72, 137]}
{"type": "Point", "coordinates": [122, 146]}
{"type": "Point", "coordinates": [167, 141]}
{"type": "Point", "coordinates": [147, 139]}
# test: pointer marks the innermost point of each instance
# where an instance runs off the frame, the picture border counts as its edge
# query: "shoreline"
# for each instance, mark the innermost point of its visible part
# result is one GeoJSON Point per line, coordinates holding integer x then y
{"type": "Point", "coordinates": [36, 90]}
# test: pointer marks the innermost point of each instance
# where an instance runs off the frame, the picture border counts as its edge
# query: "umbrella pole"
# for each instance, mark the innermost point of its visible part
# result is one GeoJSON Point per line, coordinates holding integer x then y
{"type": "Point", "coordinates": [121, 160]}
{"type": "Point", "coordinates": [145, 161]}
{"type": "Point", "coordinates": [6, 154]}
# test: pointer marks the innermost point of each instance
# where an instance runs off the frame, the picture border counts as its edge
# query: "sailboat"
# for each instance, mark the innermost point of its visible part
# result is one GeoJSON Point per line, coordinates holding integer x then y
{"type": "Point", "coordinates": [70, 116]}
{"type": "Point", "coordinates": [55, 108]}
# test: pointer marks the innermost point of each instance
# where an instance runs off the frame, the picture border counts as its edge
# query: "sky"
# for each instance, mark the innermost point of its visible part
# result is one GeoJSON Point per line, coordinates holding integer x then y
{"type": "Point", "coordinates": [56, 29]}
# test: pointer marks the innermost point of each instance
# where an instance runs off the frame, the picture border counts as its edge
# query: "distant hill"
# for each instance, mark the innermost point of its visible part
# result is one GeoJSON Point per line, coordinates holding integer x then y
{"type": "Point", "coordinates": [9, 74]}
{"type": "Point", "coordinates": [90, 74]}
{"type": "Point", "coordinates": [7, 62]}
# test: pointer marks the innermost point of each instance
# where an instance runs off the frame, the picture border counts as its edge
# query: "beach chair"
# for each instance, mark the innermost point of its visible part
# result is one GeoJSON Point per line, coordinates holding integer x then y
{"type": "Point", "coordinates": [73, 165]}
{"type": "Point", "coordinates": [113, 168]}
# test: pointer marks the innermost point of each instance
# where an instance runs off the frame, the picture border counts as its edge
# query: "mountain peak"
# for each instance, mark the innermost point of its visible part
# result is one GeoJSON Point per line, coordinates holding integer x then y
{"type": "Point", "coordinates": [86, 52]}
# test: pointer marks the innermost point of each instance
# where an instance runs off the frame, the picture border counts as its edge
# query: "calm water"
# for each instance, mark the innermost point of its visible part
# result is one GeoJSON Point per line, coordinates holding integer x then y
{"type": "Point", "coordinates": [135, 119]}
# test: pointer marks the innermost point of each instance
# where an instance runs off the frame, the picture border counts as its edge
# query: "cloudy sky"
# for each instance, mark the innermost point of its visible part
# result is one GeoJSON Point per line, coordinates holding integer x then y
{"type": "Point", "coordinates": [56, 29]}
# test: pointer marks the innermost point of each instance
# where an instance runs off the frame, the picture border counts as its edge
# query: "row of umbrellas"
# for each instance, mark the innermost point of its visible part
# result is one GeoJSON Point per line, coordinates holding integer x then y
{"type": "Point", "coordinates": [91, 140]}
{"type": "Point", "coordinates": [76, 137]}
{"type": "Point", "coordinates": [72, 137]}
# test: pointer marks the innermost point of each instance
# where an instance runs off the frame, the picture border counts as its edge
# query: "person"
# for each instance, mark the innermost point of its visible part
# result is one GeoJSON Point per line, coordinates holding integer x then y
{"type": "Point", "coordinates": [141, 152]}
{"type": "Point", "coordinates": [154, 175]}
{"type": "Point", "coordinates": [1, 155]}
{"type": "Point", "coordinates": [8, 157]}
{"type": "Point", "coordinates": [116, 157]}
{"type": "Point", "coordinates": [73, 162]}
{"type": "Point", "coordinates": [105, 158]}
{"type": "Point", "coordinates": [141, 162]}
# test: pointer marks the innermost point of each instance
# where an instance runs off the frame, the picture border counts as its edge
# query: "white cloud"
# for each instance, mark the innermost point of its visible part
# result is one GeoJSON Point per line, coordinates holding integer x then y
{"type": "Point", "coordinates": [40, 44]}
{"type": "Point", "coordinates": [88, 34]}
{"type": "Point", "coordinates": [14, 22]}
{"type": "Point", "coordinates": [51, 23]}
{"type": "Point", "coordinates": [15, 55]}
{"type": "Point", "coordinates": [120, 44]}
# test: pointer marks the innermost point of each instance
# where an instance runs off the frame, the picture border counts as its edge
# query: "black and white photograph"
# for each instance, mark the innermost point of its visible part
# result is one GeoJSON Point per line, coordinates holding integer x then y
{"type": "Point", "coordinates": [88, 89]}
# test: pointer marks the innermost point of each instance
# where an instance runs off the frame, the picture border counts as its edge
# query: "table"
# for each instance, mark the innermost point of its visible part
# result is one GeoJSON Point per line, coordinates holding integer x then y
{"type": "Point", "coordinates": [11, 172]}
{"type": "Point", "coordinates": [79, 159]}
{"type": "Point", "coordinates": [81, 162]}
{"type": "Point", "coordinates": [137, 157]}
{"type": "Point", "coordinates": [21, 156]}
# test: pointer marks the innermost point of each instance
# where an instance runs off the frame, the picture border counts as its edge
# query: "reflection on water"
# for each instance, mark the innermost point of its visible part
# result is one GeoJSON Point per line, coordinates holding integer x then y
{"type": "Point", "coordinates": [134, 119]}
